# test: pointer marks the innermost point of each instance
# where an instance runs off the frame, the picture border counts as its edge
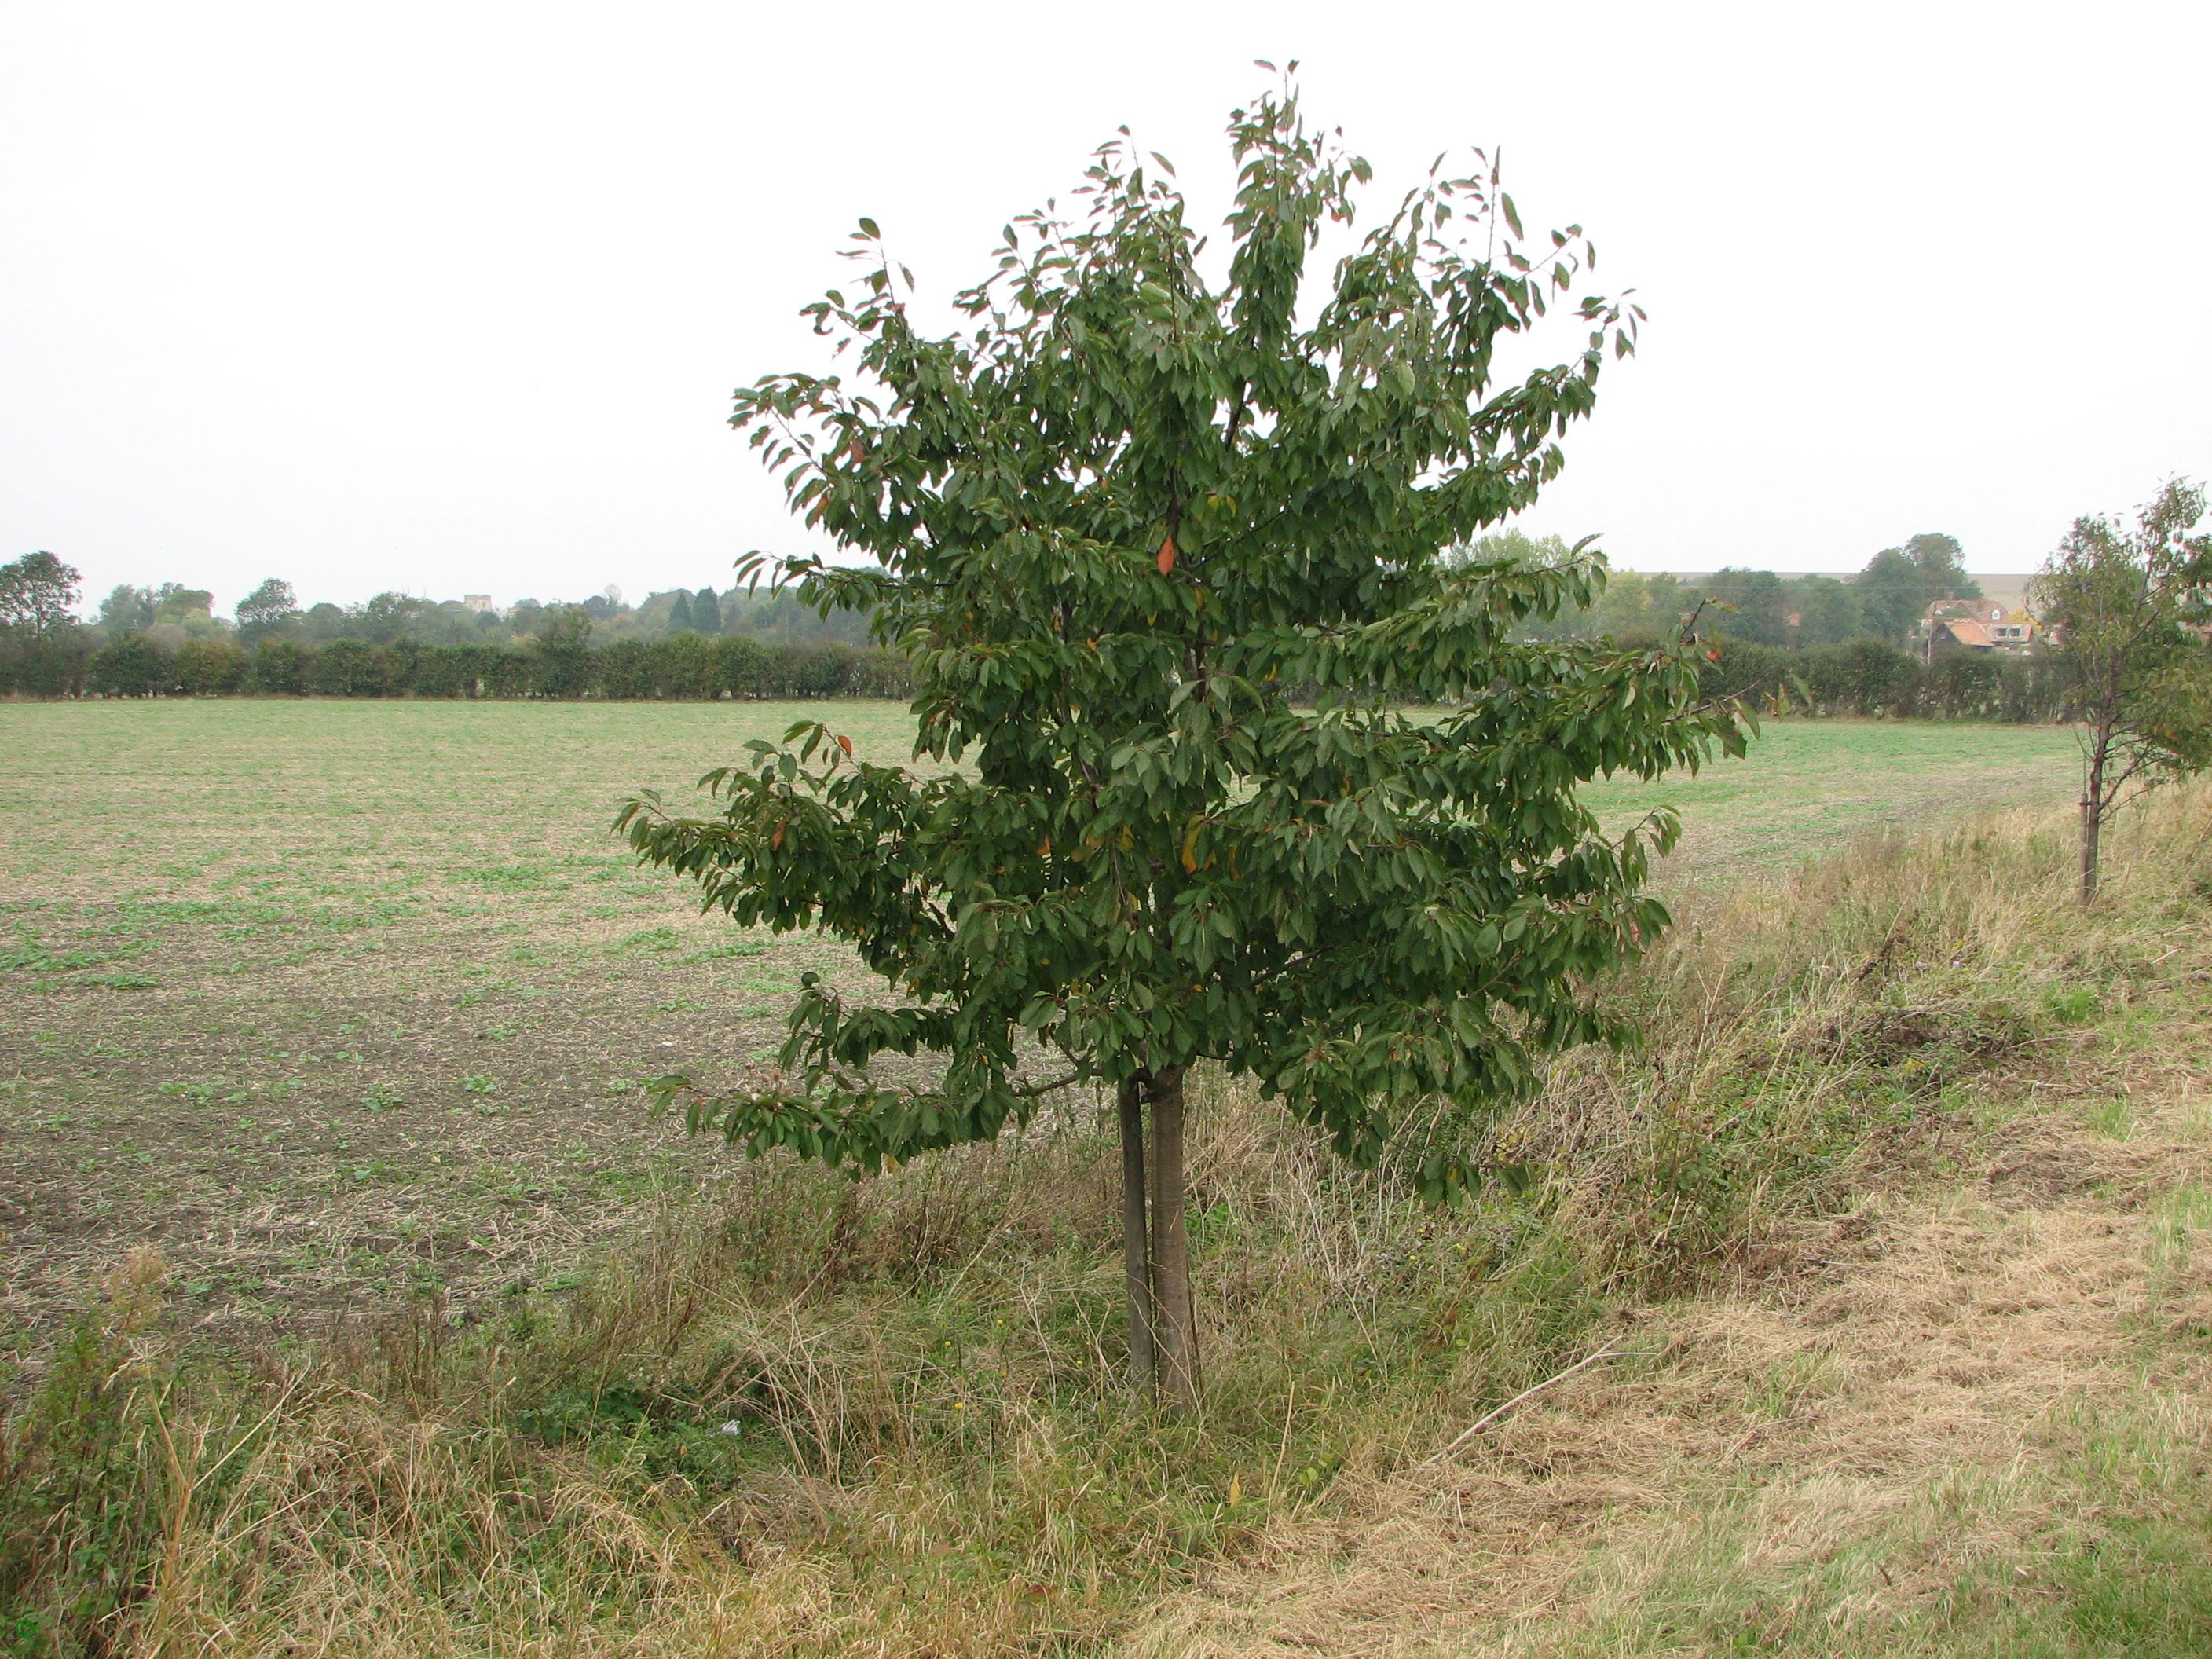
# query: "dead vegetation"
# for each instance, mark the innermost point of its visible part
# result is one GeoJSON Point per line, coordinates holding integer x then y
{"type": "Point", "coordinates": [1943, 1396]}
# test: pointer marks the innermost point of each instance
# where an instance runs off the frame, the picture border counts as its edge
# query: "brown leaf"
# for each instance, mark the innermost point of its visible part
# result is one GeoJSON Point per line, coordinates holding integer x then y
{"type": "Point", "coordinates": [1167, 555]}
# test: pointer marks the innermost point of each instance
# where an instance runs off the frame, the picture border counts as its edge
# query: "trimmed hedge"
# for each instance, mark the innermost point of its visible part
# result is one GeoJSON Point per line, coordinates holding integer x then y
{"type": "Point", "coordinates": [679, 666]}
{"type": "Point", "coordinates": [1863, 677]}
{"type": "Point", "coordinates": [1866, 676]}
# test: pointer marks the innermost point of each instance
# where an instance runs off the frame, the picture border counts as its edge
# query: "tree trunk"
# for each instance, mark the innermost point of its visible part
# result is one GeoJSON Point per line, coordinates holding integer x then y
{"type": "Point", "coordinates": [1136, 1243]}
{"type": "Point", "coordinates": [1175, 1339]}
{"type": "Point", "coordinates": [2093, 820]}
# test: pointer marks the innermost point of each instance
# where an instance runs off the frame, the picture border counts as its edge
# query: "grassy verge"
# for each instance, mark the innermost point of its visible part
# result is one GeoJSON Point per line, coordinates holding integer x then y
{"type": "Point", "coordinates": [811, 1417]}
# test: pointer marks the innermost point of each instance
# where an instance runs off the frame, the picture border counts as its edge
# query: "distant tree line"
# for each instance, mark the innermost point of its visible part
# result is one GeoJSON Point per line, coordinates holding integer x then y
{"type": "Point", "coordinates": [1884, 602]}
{"type": "Point", "coordinates": [1867, 677]}
{"type": "Point", "coordinates": [167, 641]}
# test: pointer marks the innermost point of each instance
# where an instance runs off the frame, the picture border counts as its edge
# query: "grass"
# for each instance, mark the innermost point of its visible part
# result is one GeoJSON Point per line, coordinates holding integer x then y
{"type": "Point", "coordinates": [1814, 787]}
{"type": "Point", "coordinates": [1913, 1311]}
{"type": "Point", "coordinates": [337, 914]}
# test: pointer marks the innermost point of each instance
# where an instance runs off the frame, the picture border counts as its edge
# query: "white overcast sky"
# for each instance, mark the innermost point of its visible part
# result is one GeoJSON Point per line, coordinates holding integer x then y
{"type": "Point", "coordinates": [452, 297]}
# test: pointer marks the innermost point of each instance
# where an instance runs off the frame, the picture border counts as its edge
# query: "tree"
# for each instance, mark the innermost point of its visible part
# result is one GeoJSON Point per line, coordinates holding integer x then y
{"type": "Point", "coordinates": [564, 650]}
{"type": "Point", "coordinates": [1497, 545]}
{"type": "Point", "coordinates": [1900, 583]}
{"type": "Point", "coordinates": [1941, 563]}
{"type": "Point", "coordinates": [175, 603]}
{"type": "Point", "coordinates": [706, 611]}
{"type": "Point", "coordinates": [1889, 595]}
{"type": "Point", "coordinates": [267, 609]}
{"type": "Point", "coordinates": [1518, 546]}
{"type": "Point", "coordinates": [1760, 604]}
{"type": "Point", "coordinates": [679, 614]}
{"type": "Point", "coordinates": [38, 592]}
{"type": "Point", "coordinates": [1828, 612]}
{"type": "Point", "coordinates": [389, 616]}
{"type": "Point", "coordinates": [2128, 611]}
{"type": "Point", "coordinates": [124, 611]}
{"type": "Point", "coordinates": [1111, 520]}
{"type": "Point", "coordinates": [1635, 606]}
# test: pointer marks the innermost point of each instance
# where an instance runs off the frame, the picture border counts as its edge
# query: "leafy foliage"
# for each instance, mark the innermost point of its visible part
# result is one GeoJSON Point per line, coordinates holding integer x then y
{"type": "Point", "coordinates": [1898, 584]}
{"type": "Point", "coordinates": [266, 609]}
{"type": "Point", "coordinates": [2131, 610]}
{"type": "Point", "coordinates": [37, 593]}
{"type": "Point", "coordinates": [1111, 522]}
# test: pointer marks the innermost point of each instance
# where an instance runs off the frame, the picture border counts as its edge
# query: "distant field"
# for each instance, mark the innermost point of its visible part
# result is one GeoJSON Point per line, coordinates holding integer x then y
{"type": "Point", "coordinates": [335, 999]}
{"type": "Point", "coordinates": [1810, 787]}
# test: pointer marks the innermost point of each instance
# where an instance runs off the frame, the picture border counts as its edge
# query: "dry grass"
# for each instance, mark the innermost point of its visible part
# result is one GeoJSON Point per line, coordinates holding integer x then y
{"type": "Point", "coordinates": [1917, 1389]}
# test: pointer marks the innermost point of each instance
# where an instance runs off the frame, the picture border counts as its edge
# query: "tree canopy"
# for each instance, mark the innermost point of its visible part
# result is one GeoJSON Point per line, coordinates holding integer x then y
{"type": "Point", "coordinates": [1112, 519]}
{"type": "Point", "coordinates": [2131, 612]}
{"type": "Point", "coordinates": [38, 592]}
{"type": "Point", "coordinates": [266, 609]}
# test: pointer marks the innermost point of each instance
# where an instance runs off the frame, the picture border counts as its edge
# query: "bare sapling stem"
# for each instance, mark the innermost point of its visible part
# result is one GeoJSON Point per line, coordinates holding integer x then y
{"type": "Point", "coordinates": [1136, 1243]}
{"type": "Point", "coordinates": [1173, 1340]}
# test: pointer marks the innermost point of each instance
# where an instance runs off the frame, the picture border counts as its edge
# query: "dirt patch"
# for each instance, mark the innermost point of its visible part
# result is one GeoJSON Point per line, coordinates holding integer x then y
{"type": "Point", "coordinates": [354, 1002]}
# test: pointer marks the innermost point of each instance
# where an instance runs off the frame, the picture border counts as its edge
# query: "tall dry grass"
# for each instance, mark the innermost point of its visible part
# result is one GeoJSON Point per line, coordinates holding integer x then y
{"type": "Point", "coordinates": [885, 1417]}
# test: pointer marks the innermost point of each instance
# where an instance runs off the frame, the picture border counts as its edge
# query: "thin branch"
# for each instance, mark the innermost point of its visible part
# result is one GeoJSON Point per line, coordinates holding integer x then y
{"type": "Point", "coordinates": [1032, 1091]}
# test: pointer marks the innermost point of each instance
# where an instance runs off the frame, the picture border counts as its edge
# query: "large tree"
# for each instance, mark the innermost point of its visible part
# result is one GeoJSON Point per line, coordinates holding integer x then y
{"type": "Point", "coordinates": [1754, 605]}
{"type": "Point", "coordinates": [1112, 519]}
{"type": "Point", "coordinates": [2129, 611]}
{"type": "Point", "coordinates": [38, 594]}
{"type": "Point", "coordinates": [1900, 583]}
{"type": "Point", "coordinates": [124, 611]}
{"type": "Point", "coordinates": [705, 612]}
{"type": "Point", "coordinates": [267, 609]}
{"type": "Point", "coordinates": [1828, 611]}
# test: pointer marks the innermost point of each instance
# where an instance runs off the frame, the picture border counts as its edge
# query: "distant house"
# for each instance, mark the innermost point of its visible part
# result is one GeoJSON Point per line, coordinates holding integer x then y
{"type": "Point", "coordinates": [477, 602]}
{"type": "Point", "coordinates": [1975, 625]}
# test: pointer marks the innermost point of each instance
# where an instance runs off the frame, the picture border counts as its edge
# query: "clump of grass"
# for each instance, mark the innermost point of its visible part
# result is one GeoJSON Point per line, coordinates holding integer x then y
{"type": "Point", "coordinates": [824, 1416]}
{"type": "Point", "coordinates": [1807, 1037]}
{"type": "Point", "coordinates": [828, 1413]}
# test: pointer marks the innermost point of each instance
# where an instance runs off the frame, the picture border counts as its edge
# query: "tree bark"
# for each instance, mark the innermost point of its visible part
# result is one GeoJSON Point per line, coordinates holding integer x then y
{"type": "Point", "coordinates": [1136, 1243]}
{"type": "Point", "coordinates": [2093, 820]}
{"type": "Point", "coordinates": [1174, 1338]}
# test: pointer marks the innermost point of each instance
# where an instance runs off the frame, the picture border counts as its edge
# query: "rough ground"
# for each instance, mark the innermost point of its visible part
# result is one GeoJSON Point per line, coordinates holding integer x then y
{"type": "Point", "coordinates": [328, 1001]}
{"type": "Point", "coordinates": [331, 1000]}
{"type": "Point", "coordinates": [1906, 1430]}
